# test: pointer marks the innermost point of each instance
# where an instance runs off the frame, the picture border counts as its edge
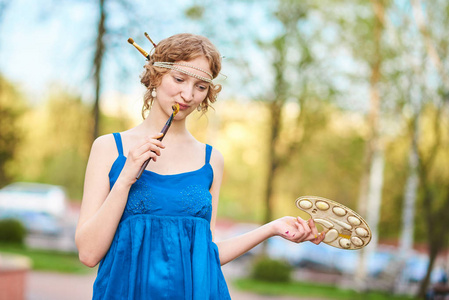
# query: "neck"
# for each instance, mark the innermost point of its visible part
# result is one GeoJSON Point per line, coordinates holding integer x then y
{"type": "Point", "coordinates": [156, 120]}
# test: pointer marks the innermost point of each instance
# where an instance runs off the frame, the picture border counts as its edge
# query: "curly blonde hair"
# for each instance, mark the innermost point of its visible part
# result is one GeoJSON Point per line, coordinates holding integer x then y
{"type": "Point", "coordinates": [180, 47]}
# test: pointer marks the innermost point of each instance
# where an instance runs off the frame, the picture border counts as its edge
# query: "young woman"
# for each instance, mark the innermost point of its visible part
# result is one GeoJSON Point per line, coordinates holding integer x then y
{"type": "Point", "coordinates": [153, 237]}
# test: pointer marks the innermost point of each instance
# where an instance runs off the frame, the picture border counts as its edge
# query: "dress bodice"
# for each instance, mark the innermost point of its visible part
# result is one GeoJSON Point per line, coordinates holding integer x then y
{"type": "Point", "coordinates": [184, 194]}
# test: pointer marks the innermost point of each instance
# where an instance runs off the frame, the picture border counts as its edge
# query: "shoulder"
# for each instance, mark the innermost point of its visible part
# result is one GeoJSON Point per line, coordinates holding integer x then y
{"type": "Point", "coordinates": [104, 149]}
{"type": "Point", "coordinates": [217, 160]}
{"type": "Point", "coordinates": [102, 155]}
{"type": "Point", "coordinates": [104, 142]}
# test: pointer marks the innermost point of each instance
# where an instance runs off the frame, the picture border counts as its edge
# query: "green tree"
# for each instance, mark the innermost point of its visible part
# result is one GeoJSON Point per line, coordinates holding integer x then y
{"type": "Point", "coordinates": [434, 182]}
{"type": "Point", "coordinates": [286, 140]}
{"type": "Point", "coordinates": [362, 29]}
{"type": "Point", "coordinates": [12, 109]}
{"type": "Point", "coordinates": [428, 103]}
{"type": "Point", "coordinates": [56, 142]}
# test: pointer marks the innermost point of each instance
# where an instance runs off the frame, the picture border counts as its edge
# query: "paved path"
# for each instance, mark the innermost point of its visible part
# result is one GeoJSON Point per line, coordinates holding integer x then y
{"type": "Point", "coordinates": [54, 286]}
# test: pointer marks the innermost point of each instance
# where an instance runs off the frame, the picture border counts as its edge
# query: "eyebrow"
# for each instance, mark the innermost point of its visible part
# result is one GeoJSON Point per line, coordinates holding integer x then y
{"type": "Point", "coordinates": [185, 74]}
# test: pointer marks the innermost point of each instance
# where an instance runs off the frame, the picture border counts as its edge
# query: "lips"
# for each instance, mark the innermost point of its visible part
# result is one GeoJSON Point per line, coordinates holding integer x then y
{"type": "Point", "coordinates": [183, 106]}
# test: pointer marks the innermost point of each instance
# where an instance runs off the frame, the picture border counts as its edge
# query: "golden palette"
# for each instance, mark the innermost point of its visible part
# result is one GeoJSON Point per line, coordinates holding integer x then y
{"type": "Point", "coordinates": [345, 228]}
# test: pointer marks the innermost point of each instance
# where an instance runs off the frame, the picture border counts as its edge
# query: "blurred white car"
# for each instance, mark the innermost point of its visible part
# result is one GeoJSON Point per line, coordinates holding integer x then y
{"type": "Point", "coordinates": [41, 207]}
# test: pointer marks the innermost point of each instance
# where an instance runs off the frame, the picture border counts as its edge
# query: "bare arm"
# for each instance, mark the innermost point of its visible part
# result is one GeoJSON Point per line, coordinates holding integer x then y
{"type": "Point", "coordinates": [293, 229]}
{"type": "Point", "coordinates": [101, 208]}
{"type": "Point", "coordinates": [290, 228]}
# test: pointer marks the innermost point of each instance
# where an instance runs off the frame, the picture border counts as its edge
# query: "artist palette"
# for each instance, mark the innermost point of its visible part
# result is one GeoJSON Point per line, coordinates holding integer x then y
{"type": "Point", "coordinates": [345, 228]}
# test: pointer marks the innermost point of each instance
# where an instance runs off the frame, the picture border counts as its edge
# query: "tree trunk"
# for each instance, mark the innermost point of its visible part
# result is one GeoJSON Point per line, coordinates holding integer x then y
{"type": "Point", "coordinates": [370, 189]}
{"type": "Point", "coordinates": [410, 194]}
{"type": "Point", "coordinates": [408, 207]}
{"type": "Point", "coordinates": [98, 62]}
{"type": "Point", "coordinates": [436, 218]}
{"type": "Point", "coordinates": [375, 195]}
{"type": "Point", "coordinates": [433, 253]}
{"type": "Point", "coordinates": [275, 124]}
{"type": "Point", "coordinates": [431, 226]}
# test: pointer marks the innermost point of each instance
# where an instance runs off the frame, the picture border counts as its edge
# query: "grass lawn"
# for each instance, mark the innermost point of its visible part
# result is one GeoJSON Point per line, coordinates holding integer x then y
{"type": "Point", "coordinates": [301, 289]}
{"type": "Point", "coordinates": [45, 260]}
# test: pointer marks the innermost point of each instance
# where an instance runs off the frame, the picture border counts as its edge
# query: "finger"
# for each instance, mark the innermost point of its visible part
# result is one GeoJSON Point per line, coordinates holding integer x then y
{"type": "Point", "coordinates": [301, 232]}
{"type": "Point", "coordinates": [157, 136]}
{"type": "Point", "coordinates": [305, 225]}
{"type": "Point", "coordinates": [150, 145]}
{"type": "Point", "coordinates": [154, 148]}
{"type": "Point", "coordinates": [320, 238]}
{"type": "Point", "coordinates": [156, 139]}
{"type": "Point", "coordinates": [313, 227]}
{"type": "Point", "coordinates": [142, 153]}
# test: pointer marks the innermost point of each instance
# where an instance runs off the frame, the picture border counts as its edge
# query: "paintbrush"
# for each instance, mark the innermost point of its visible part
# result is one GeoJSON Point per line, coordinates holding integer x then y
{"type": "Point", "coordinates": [163, 131]}
{"type": "Point", "coordinates": [144, 53]}
{"type": "Point", "coordinates": [148, 37]}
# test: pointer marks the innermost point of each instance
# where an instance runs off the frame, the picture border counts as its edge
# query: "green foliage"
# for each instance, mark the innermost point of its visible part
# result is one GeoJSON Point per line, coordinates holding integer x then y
{"type": "Point", "coordinates": [195, 12]}
{"type": "Point", "coordinates": [395, 176]}
{"type": "Point", "coordinates": [311, 290]}
{"type": "Point", "coordinates": [45, 260]}
{"type": "Point", "coordinates": [109, 124]}
{"type": "Point", "coordinates": [271, 270]}
{"type": "Point", "coordinates": [12, 231]}
{"type": "Point", "coordinates": [57, 140]}
{"type": "Point", "coordinates": [328, 164]}
{"type": "Point", "coordinates": [56, 146]}
{"type": "Point", "coordinates": [12, 108]}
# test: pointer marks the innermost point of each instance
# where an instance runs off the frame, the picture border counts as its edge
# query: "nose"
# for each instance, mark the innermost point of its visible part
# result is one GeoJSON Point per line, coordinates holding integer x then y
{"type": "Point", "coordinates": [187, 92]}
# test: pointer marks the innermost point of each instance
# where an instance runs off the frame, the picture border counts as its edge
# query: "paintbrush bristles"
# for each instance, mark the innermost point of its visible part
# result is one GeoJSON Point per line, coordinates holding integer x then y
{"type": "Point", "coordinates": [175, 109]}
{"type": "Point", "coordinates": [144, 53]}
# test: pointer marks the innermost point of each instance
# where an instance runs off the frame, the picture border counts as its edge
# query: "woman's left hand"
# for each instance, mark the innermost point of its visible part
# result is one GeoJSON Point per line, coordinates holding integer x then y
{"type": "Point", "coordinates": [298, 230]}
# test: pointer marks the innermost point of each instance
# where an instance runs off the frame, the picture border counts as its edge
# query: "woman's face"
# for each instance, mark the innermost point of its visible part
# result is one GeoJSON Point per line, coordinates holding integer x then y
{"type": "Point", "coordinates": [186, 90]}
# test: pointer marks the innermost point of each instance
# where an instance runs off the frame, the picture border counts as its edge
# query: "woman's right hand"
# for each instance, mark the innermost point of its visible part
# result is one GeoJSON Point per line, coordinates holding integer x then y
{"type": "Point", "coordinates": [103, 205]}
{"type": "Point", "coordinates": [149, 148]}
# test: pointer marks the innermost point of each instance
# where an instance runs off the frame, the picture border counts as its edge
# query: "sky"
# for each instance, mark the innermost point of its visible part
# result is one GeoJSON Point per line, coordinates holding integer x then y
{"type": "Point", "coordinates": [45, 43]}
{"type": "Point", "coordinates": [40, 46]}
{"type": "Point", "coordinates": [61, 36]}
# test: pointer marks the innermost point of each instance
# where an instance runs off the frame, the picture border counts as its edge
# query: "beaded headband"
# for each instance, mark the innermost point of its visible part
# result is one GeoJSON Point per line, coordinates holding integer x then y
{"type": "Point", "coordinates": [172, 65]}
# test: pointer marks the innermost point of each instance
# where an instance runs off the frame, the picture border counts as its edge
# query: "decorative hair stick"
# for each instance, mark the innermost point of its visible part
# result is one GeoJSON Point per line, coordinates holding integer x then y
{"type": "Point", "coordinates": [163, 131]}
{"type": "Point", "coordinates": [148, 37]}
{"type": "Point", "coordinates": [144, 53]}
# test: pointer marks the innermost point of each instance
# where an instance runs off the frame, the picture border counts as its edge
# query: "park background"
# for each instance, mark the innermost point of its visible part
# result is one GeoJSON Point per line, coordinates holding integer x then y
{"type": "Point", "coordinates": [347, 100]}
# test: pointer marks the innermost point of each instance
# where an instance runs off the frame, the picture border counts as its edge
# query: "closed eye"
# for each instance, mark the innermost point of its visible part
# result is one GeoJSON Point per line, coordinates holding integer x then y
{"type": "Point", "coordinates": [178, 79]}
{"type": "Point", "coordinates": [203, 87]}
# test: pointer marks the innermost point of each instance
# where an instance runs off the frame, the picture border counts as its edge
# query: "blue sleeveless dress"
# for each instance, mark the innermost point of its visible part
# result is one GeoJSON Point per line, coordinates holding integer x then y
{"type": "Point", "coordinates": [163, 247]}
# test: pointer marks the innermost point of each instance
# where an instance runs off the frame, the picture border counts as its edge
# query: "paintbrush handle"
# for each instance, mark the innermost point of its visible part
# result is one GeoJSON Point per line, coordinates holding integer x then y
{"type": "Point", "coordinates": [163, 131]}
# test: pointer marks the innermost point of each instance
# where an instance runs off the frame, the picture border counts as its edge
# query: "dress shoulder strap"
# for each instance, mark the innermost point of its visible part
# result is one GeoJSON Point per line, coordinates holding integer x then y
{"type": "Point", "coordinates": [208, 153]}
{"type": "Point", "coordinates": [118, 142]}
